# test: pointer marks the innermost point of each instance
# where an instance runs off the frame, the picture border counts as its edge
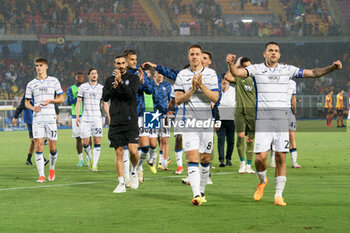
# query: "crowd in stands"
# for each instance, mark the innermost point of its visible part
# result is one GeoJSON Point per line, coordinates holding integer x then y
{"type": "Point", "coordinates": [66, 60]}
{"type": "Point", "coordinates": [77, 17]}
{"type": "Point", "coordinates": [113, 17]}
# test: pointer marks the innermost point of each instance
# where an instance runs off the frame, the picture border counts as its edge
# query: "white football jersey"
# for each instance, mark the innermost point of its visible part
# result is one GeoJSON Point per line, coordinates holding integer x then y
{"type": "Point", "coordinates": [199, 105]}
{"type": "Point", "coordinates": [272, 89]}
{"type": "Point", "coordinates": [92, 96]}
{"type": "Point", "coordinates": [292, 90]}
{"type": "Point", "coordinates": [42, 90]}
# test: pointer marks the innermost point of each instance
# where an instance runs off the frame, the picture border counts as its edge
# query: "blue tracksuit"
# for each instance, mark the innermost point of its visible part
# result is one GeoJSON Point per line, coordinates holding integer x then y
{"type": "Point", "coordinates": [161, 96]}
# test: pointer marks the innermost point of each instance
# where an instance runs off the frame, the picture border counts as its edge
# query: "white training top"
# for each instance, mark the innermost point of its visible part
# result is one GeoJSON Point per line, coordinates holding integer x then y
{"type": "Point", "coordinates": [198, 106]}
{"type": "Point", "coordinates": [42, 90]}
{"type": "Point", "coordinates": [292, 90]}
{"type": "Point", "coordinates": [272, 89]}
{"type": "Point", "coordinates": [92, 96]}
{"type": "Point", "coordinates": [227, 104]}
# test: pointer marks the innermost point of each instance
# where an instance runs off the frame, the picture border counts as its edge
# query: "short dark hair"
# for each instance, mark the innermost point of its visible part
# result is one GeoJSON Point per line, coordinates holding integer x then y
{"type": "Point", "coordinates": [128, 52]}
{"type": "Point", "coordinates": [91, 69]}
{"type": "Point", "coordinates": [245, 59]}
{"type": "Point", "coordinates": [119, 56]}
{"type": "Point", "coordinates": [78, 73]}
{"type": "Point", "coordinates": [41, 60]}
{"type": "Point", "coordinates": [195, 46]}
{"type": "Point", "coordinates": [209, 54]}
{"type": "Point", "coordinates": [271, 42]}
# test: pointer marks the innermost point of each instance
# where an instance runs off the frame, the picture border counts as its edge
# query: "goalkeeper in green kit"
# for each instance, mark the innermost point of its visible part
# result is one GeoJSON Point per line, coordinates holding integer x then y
{"type": "Point", "coordinates": [244, 116]}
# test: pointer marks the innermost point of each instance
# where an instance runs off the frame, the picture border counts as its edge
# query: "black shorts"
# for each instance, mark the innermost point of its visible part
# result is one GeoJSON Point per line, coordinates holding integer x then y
{"type": "Point", "coordinates": [121, 137]}
{"type": "Point", "coordinates": [30, 131]}
{"type": "Point", "coordinates": [340, 112]}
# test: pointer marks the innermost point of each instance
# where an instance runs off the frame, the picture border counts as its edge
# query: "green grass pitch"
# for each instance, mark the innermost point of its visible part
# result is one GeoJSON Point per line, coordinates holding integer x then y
{"type": "Point", "coordinates": [79, 200]}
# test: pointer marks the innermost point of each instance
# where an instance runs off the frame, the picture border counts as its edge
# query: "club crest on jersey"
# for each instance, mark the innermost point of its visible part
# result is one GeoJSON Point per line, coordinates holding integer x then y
{"type": "Point", "coordinates": [274, 79]}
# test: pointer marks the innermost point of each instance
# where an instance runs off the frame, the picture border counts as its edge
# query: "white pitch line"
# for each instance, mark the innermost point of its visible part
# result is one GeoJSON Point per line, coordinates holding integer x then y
{"type": "Point", "coordinates": [98, 182]}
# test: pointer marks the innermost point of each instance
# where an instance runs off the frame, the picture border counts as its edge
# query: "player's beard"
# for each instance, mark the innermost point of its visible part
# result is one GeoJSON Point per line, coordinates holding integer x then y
{"type": "Point", "coordinates": [122, 71]}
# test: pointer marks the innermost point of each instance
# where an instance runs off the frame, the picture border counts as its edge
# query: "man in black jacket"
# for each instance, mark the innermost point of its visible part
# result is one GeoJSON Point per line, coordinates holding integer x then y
{"type": "Point", "coordinates": [121, 89]}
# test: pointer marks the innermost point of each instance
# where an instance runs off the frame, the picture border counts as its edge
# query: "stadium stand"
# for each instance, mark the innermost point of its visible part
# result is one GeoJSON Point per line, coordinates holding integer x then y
{"type": "Point", "coordinates": [344, 7]}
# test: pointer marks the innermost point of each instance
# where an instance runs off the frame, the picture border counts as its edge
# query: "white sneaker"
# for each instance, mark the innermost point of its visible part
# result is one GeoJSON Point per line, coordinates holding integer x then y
{"type": "Point", "coordinates": [140, 176]}
{"type": "Point", "coordinates": [296, 165]}
{"type": "Point", "coordinates": [249, 170]}
{"type": "Point", "coordinates": [272, 163]}
{"type": "Point", "coordinates": [241, 169]}
{"type": "Point", "coordinates": [127, 180]}
{"type": "Point", "coordinates": [210, 181]}
{"type": "Point", "coordinates": [120, 188]}
{"type": "Point", "coordinates": [134, 181]}
{"type": "Point", "coordinates": [186, 180]}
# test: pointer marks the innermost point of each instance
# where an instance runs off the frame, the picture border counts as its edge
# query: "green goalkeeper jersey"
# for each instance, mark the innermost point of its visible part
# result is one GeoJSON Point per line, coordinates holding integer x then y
{"type": "Point", "coordinates": [245, 97]}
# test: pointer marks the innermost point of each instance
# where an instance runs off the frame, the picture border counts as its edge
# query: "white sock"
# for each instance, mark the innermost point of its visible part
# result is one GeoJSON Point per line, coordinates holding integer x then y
{"type": "Point", "coordinates": [194, 177]}
{"type": "Point", "coordinates": [204, 174]}
{"type": "Point", "coordinates": [143, 156]}
{"type": "Point", "coordinates": [127, 176]}
{"type": "Point", "coordinates": [97, 152]}
{"type": "Point", "coordinates": [53, 159]}
{"type": "Point", "coordinates": [160, 162]}
{"type": "Point", "coordinates": [80, 156]}
{"type": "Point", "coordinates": [88, 151]}
{"type": "Point", "coordinates": [261, 176]}
{"type": "Point", "coordinates": [39, 160]}
{"type": "Point", "coordinates": [133, 170]}
{"type": "Point", "coordinates": [152, 154]}
{"type": "Point", "coordinates": [126, 161]}
{"type": "Point", "coordinates": [121, 180]}
{"type": "Point", "coordinates": [164, 163]}
{"type": "Point", "coordinates": [272, 157]}
{"type": "Point", "coordinates": [178, 158]}
{"type": "Point", "coordinates": [280, 183]}
{"type": "Point", "coordinates": [294, 156]}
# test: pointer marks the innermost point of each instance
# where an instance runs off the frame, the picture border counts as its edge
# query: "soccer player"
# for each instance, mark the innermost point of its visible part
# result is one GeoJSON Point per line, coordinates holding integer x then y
{"type": "Point", "coordinates": [121, 89]}
{"type": "Point", "coordinates": [161, 98]}
{"type": "Point", "coordinates": [72, 95]}
{"type": "Point", "coordinates": [197, 87]}
{"type": "Point", "coordinates": [28, 119]}
{"type": "Point", "coordinates": [329, 108]}
{"type": "Point", "coordinates": [91, 121]}
{"type": "Point", "coordinates": [340, 108]}
{"type": "Point", "coordinates": [292, 122]}
{"type": "Point", "coordinates": [271, 79]}
{"type": "Point", "coordinates": [46, 91]}
{"type": "Point", "coordinates": [244, 116]}
{"type": "Point", "coordinates": [145, 88]}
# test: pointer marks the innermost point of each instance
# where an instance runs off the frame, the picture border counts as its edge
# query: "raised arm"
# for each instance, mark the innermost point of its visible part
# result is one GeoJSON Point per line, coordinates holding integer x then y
{"type": "Point", "coordinates": [167, 72]}
{"type": "Point", "coordinates": [236, 72]}
{"type": "Point", "coordinates": [319, 72]}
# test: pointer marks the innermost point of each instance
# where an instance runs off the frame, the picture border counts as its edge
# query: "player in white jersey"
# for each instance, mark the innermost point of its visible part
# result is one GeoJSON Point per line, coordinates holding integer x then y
{"type": "Point", "coordinates": [91, 122]}
{"type": "Point", "coordinates": [46, 91]}
{"type": "Point", "coordinates": [196, 87]}
{"type": "Point", "coordinates": [271, 79]}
